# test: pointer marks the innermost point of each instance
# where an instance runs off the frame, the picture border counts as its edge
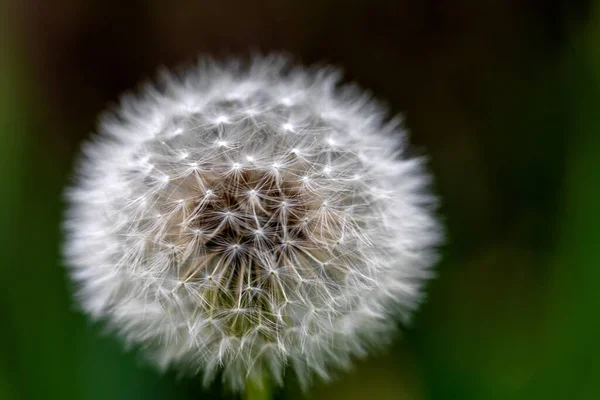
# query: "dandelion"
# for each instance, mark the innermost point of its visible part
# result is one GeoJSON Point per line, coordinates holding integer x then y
{"type": "Point", "coordinates": [242, 219]}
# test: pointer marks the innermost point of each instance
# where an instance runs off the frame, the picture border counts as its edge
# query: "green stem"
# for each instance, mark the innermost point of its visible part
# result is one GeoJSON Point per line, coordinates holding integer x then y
{"type": "Point", "coordinates": [257, 390]}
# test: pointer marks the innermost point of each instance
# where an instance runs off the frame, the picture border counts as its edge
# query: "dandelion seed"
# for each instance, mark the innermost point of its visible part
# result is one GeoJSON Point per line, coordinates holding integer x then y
{"type": "Point", "coordinates": [212, 264]}
{"type": "Point", "coordinates": [222, 119]}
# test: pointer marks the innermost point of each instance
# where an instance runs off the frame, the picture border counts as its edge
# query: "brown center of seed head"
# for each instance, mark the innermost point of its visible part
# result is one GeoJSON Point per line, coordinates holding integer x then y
{"type": "Point", "coordinates": [244, 240]}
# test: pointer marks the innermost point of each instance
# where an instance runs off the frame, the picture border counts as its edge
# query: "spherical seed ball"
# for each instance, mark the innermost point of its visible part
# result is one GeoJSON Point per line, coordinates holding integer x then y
{"type": "Point", "coordinates": [243, 218]}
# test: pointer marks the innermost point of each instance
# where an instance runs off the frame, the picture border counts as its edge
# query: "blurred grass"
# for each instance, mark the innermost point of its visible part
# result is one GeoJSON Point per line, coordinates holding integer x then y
{"type": "Point", "coordinates": [573, 345]}
{"type": "Point", "coordinates": [13, 137]}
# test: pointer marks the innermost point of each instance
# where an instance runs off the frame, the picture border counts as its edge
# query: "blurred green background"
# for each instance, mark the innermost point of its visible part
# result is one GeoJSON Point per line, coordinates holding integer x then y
{"type": "Point", "coordinates": [504, 97]}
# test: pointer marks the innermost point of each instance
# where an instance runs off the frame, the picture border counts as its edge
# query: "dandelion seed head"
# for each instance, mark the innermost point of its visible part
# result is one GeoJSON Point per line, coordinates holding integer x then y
{"type": "Point", "coordinates": [221, 242]}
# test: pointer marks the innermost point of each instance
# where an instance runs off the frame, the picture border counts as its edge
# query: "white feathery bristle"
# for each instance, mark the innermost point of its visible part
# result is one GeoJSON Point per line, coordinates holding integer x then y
{"type": "Point", "coordinates": [243, 219]}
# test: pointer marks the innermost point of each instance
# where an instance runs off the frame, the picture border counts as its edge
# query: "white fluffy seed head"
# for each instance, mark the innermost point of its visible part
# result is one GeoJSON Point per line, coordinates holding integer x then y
{"type": "Point", "coordinates": [242, 219]}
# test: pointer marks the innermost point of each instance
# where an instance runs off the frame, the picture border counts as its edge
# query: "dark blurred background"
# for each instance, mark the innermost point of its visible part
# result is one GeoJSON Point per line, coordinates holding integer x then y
{"type": "Point", "coordinates": [502, 95]}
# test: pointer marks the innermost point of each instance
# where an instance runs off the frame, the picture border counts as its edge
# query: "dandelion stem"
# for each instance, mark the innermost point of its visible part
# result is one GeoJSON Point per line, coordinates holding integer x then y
{"type": "Point", "coordinates": [257, 390]}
